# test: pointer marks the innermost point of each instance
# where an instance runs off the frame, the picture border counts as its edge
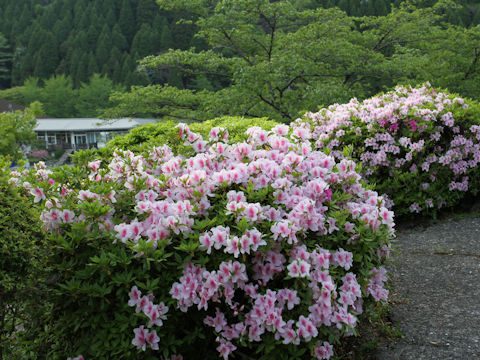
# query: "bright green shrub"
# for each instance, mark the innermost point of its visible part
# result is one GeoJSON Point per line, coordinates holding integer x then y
{"type": "Point", "coordinates": [165, 133]}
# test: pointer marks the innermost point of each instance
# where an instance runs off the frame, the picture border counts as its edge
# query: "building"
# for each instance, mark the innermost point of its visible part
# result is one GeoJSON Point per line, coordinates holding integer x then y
{"type": "Point", "coordinates": [83, 133]}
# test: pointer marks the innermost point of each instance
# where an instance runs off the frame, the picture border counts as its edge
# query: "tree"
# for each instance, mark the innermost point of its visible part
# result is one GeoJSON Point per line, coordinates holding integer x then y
{"type": "Point", "coordinates": [146, 10]}
{"type": "Point", "coordinates": [81, 74]}
{"type": "Point", "coordinates": [118, 40]}
{"type": "Point", "coordinates": [5, 63]}
{"type": "Point", "coordinates": [93, 96]}
{"type": "Point", "coordinates": [166, 39]}
{"type": "Point", "coordinates": [126, 20]}
{"type": "Point", "coordinates": [46, 59]}
{"type": "Point", "coordinates": [58, 96]}
{"type": "Point", "coordinates": [276, 60]}
{"type": "Point", "coordinates": [143, 43]}
{"type": "Point", "coordinates": [17, 129]}
{"type": "Point", "coordinates": [31, 91]}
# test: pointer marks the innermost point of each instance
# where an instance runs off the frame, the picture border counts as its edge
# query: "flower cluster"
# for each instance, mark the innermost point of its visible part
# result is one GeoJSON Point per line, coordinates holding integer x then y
{"type": "Point", "coordinates": [281, 242]}
{"type": "Point", "coordinates": [420, 147]}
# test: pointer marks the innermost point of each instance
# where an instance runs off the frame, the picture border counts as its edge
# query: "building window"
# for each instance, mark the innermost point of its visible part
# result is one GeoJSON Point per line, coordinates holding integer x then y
{"type": "Point", "coordinates": [52, 139]}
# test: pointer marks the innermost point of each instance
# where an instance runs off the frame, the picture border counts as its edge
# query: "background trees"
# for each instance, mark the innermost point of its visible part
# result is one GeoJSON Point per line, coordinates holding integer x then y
{"type": "Point", "coordinates": [17, 129]}
{"type": "Point", "coordinates": [5, 62]}
{"type": "Point", "coordinates": [61, 99]}
{"type": "Point", "coordinates": [81, 37]}
{"type": "Point", "coordinates": [279, 59]}
{"type": "Point", "coordinates": [256, 58]}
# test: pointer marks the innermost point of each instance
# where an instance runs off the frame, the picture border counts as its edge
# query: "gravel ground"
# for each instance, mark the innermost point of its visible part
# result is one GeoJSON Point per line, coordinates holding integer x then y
{"type": "Point", "coordinates": [436, 292]}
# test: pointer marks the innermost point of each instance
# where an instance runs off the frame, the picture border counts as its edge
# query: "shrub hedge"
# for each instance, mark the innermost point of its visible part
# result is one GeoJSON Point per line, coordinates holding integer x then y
{"type": "Point", "coordinates": [420, 147]}
{"type": "Point", "coordinates": [261, 248]}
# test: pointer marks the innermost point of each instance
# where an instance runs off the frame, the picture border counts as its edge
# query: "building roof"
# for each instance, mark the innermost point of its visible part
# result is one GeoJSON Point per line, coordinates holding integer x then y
{"type": "Point", "coordinates": [7, 106]}
{"type": "Point", "coordinates": [89, 124]}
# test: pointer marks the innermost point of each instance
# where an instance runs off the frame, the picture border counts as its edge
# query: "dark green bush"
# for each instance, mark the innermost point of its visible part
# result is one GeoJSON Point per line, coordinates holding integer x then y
{"type": "Point", "coordinates": [22, 267]}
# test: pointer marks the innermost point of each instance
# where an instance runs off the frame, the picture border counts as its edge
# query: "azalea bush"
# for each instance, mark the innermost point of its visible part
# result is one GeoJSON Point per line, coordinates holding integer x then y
{"type": "Point", "coordinates": [418, 146]}
{"type": "Point", "coordinates": [261, 249]}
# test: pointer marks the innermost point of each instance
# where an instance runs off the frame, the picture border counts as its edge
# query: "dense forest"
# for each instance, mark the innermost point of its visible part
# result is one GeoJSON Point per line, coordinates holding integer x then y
{"type": "Point", "coordinates": [41, 40]}
{"type": "Point", "coordinates": [82, 37]}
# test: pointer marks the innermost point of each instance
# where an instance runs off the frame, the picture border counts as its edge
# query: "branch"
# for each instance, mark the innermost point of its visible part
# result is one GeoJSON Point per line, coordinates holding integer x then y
{"type": "Point", "coordinates": [272, 104]}
{"type": "Point", "coordinates": [235, 47]}
{"type": "Point", "coordinates": [376, 47]}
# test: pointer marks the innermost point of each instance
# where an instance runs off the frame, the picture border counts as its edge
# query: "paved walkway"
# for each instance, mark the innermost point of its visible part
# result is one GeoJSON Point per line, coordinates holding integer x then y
{"type": "Point", "coordinates": [436, 294]}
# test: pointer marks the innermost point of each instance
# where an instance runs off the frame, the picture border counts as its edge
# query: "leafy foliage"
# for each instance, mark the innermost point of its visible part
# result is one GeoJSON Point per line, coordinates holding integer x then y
{"type": "Point", "coordinates": [17, 130]}
{"type": "Point", "coordinates": [60, 99]}
{"type": "Point", "coordinates": [165, 133]}
{"type": "Point", "coordinates": [22, 269]}
{"type": "Point", "coordinates": [278, 59]}
{"type": "Point", "coordinates": [143, 223]}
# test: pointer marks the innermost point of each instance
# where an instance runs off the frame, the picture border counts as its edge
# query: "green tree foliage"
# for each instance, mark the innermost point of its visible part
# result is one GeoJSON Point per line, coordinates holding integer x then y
{"type": "Point", "coordinates": [17, 130]}
{"type": "Point", "coordinates": [50, 37]}
{"type": "Point", "coordinates": [126, 19]}
{"type": "Point", "coordinates": [278, 60]}
{"type": "Point", "coordinates": [93, 96]}
{"type": "Point", "coordinates": [46, 59]}
{"type": "Point", "coordinates": [59, 97]}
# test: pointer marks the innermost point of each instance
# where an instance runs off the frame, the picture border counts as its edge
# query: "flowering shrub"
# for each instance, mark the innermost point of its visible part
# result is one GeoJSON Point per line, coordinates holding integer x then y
{"type": "Point", "coordinates": [418, 146]}
{"type": "Point", "coordinates": [262, 248]}
{"type": "Point", "coordinates": [38, 154]}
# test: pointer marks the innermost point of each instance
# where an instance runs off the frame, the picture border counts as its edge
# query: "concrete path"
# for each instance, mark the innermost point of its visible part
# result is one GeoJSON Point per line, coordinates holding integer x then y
{"type": "Point", "coordinates": [436, 294]}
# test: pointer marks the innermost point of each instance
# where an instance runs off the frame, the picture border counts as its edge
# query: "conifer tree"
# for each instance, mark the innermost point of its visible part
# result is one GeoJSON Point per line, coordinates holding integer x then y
{"type": "Point", "coordinates": [126, 20]}
{"type": "Point", "coordinates": [166, 39]}
{"type": "Point", "coordinates": [5, 63]}
{"type": "Point", "coordinates": [146, 11]}
{"type": "Point", "coordinates": [92, 67]}
{"type": "Point", "coordinates": [118, 40]}
{"type": "Point", "coordinates": [142, 43]}
{"type": "Point", "coordinates": [46, 59]}
{"type": "Point", "coordinates": [81, 73]}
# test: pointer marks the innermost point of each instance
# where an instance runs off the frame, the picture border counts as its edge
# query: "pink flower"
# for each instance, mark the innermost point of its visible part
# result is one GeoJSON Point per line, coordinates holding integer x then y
{"type": "Point", "coordinates": [140, 340]}
{"type": "Point", "coordinates": [324, 351]}
{"type": "Point", "coordinates": [94, 165]}
{"type": "Point", "coordinates": [38, 194]}
{"type": "Point", "coordinates": [225, 348]}
{"type": "Point", "coordinates": [67, 216]}
{"type": "Point", "coordinates": [152, 339]}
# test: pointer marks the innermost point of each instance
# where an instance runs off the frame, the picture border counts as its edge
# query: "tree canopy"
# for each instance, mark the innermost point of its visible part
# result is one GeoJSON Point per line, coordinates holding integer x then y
{"type": "Point", "coordinates": [278, 59]}
{"type": "Point", "coordinates": [82, 37]}
{"type": "Point", "coordinates": [61, 99]}
{"type": "Point", "coordinates": [17, 130]}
